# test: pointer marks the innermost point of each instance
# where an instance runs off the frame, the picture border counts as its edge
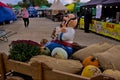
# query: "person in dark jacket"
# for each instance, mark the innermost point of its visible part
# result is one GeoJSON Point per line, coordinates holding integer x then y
{"type": "Point", "coordinates": [87, 20]}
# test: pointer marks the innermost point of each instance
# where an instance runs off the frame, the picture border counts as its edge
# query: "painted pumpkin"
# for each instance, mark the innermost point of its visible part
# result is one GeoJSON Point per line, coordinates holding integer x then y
{"type": "Point", "coordinates": [113, 73]}
{"type": "Point", "coordinates": [90, 71]}
{"type": "Point", "coordinates": [90, 60]}
{"type": "Point", "coordinates": [45, 51]}
{"type": "Point", "coordinates": [59, 53]}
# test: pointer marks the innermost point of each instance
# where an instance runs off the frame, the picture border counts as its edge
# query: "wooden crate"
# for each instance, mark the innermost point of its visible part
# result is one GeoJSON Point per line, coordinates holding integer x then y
{"type": "Point", "coordinates": [40, 71]}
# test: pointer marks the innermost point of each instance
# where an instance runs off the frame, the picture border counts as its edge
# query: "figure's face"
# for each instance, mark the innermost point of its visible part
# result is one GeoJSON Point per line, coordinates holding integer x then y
{"type": "Point", "coordinates": [67, 18]}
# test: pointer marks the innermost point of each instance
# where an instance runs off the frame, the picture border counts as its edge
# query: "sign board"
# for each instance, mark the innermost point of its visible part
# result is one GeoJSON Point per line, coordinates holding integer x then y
{"type": "Point", "coordinates": [98, 11]}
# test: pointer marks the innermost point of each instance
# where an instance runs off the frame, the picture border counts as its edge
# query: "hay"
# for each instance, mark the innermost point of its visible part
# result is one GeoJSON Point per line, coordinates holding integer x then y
{"type": "Point", "coordinates": [92, 49]}
{"type": "Point", "coordinates": [113, 73]}
{"type": "Point", "coordinates": [71, 66]}
{"type": "Point", "coordinates": [110, 58]}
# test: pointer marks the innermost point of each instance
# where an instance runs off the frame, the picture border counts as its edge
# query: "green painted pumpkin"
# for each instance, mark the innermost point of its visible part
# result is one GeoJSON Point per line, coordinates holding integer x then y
{"type": "Point", "coordinates": [114, 73]}
{"type": "Point", "coordinates": [45, 51]}
{"type": "Point", "coordinates": [59, 53]}
{"type": "Point", "coordinates": [90, 71]}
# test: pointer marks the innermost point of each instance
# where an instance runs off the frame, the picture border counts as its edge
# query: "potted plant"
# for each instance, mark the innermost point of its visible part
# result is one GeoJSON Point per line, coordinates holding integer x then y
{"type": "Point", "coordinates": [23, 50]}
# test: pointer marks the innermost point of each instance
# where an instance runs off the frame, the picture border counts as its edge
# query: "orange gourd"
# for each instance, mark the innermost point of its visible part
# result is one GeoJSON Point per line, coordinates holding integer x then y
{"type": "Point", "coordinates": [90, 60]}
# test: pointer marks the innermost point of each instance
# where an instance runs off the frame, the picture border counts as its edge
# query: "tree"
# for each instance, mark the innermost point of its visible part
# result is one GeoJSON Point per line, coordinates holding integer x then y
{"type": "Point", "coordinates": [27, 3]}
{"type": "Point", "coordinates": [76, 0]}
{"type": "Point", "coordinates": [39, 2]}
{"type": "Point", "coordinates": [20, 3]}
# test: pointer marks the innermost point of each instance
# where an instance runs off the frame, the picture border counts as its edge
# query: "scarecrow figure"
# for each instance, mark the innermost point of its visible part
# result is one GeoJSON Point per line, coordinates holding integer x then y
{"type": "Point", "coordinates": [63, 37]}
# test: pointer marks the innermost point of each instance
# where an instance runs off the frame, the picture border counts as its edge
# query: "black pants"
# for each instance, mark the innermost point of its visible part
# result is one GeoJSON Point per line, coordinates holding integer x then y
{"type": "Point", "coordinates": [26, 22]}
{"type": "Point", "coordinates": [86, 26]}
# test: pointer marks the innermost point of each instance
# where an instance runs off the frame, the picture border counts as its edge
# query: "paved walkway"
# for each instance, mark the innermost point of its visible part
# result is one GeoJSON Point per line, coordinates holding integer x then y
{"type": "Point", "coordinates": [40, 28]}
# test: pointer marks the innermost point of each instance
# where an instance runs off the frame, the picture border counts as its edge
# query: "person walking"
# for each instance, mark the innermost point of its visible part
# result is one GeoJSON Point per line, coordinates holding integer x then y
{"type": "Point", "coordinates": [25, 16]}
{"type": "Point", "coordinates": [87, 20]}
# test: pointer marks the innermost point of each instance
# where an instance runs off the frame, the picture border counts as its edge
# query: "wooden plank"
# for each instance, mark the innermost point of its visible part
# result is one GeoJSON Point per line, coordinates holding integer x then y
{"type": "Point", "coordinates": [2, 71]}
{"type": "Point", "coordinates": [33, 70]}
{"type": "Point", "coordinates": [49, 74]}
{"type": "Point", "coordinates": [19, 67]}
{"type": "Point", "coordinates": [102, 77]}
{"type": "Point", "coordinates": [40, 71]}
{"type": "Point", "coordinates": [59, 75]}
{"type": "Point", "coordinates": [5, 59]}
{"type": "Point", "coordinates": [37, 75]}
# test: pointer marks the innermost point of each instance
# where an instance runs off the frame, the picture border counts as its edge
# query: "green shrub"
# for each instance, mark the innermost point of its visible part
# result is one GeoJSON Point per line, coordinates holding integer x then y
{"type": "Point", "coordinates": [23, 50]}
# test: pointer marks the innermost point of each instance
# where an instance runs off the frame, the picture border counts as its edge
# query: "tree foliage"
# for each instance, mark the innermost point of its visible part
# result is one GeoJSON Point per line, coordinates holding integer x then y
{"type": "Point", "coordinates": [27, 3]}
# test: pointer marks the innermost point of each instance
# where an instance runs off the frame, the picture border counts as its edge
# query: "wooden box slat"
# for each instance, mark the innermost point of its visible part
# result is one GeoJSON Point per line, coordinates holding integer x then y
{"type": "Point", "coordinates": [40, 71]}
{"type": "Point", "coordinates": [2, 70]}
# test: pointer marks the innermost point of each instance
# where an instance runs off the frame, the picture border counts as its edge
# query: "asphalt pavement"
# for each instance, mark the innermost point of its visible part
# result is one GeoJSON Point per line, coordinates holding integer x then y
{"type": "Point", "coordinates": [40, 28]}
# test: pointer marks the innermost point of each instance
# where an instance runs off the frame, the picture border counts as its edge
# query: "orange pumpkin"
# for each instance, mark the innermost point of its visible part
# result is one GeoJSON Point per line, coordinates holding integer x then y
{"type": "Point", "coordinates": [90, 60]}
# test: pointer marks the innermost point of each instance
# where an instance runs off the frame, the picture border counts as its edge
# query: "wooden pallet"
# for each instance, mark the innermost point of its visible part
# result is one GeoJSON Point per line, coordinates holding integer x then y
{"type": "Point", "coordinates": [40, 71]}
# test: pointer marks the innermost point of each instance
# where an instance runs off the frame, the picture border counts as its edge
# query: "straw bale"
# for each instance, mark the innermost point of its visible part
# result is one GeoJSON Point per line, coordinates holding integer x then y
{"type": "Point", "coordinates": [92, 49]}
{"type": "Point", "coordinates": [113, 73]}
{"type": "Point", "coordinates": [110, 58]}
{"type": "Point", "coordinates": [71, 66]}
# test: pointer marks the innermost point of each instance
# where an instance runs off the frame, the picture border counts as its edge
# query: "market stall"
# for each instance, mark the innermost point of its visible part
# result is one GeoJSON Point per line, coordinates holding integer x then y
{"type": "Point", "coordinates": [106, 20]}
{"type": "Point", "coordinates": [6, 14]}
{"type": "Point", "coordinates": [70, 7]}
{"type": "Point", "coordinates": [32, 11]}
{"type": "Point", "coordinates": [112, 6]}
{"type": "Point", "coordinates": [43, 11]}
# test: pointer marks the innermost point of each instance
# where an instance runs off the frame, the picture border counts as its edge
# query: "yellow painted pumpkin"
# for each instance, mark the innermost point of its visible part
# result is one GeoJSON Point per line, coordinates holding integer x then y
{"type": "Point", "coordinates": [90, 71]}
{"type": "Point", "coordinates": [113, 73]}
{"type": "Point", "coordinates": [90, 60]}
